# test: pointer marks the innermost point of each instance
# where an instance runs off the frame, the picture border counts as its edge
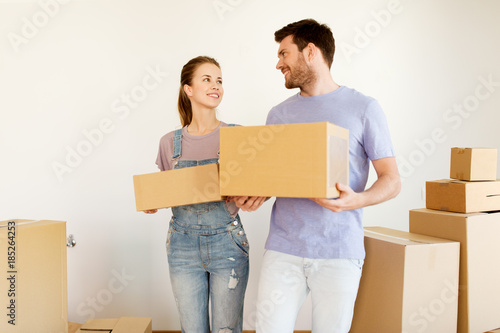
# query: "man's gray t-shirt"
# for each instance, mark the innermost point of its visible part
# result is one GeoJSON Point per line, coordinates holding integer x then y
{"type": "Point", "coordinates": [300, 226]}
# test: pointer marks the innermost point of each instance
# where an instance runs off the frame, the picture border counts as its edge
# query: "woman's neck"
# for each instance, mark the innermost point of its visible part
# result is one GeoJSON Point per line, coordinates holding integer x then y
{"type": "Point", "coordinates": [203, 123]}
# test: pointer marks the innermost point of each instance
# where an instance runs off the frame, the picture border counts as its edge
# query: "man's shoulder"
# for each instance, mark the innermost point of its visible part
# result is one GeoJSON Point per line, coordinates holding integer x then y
{"type": "Point", "coordinates": [290, 100]}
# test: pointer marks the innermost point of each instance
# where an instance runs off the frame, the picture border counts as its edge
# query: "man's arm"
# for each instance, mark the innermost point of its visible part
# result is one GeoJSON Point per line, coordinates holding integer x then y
{"type": "Point", "coordinates": [387, 186]}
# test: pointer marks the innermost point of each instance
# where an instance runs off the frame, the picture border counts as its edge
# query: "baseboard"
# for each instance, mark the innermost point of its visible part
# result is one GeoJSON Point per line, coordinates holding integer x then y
{"type": "Point", "coordinates": [243, 331]}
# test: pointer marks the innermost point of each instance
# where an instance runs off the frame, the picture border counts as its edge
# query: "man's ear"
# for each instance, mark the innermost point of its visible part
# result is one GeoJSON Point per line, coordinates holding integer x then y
{"type": "Point", "coordinates": [311, 51]}
{"type": "Point", "coordinates": [188, 90]}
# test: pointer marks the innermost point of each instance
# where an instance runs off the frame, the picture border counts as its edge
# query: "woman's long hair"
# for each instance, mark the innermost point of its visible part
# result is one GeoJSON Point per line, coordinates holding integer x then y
{"type": "Point", "coordinates": [184, 104]}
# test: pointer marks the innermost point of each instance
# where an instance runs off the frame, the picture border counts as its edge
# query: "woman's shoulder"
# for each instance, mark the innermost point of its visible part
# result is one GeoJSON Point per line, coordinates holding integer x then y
{"type": "Point", "coordinates": [169, 136]}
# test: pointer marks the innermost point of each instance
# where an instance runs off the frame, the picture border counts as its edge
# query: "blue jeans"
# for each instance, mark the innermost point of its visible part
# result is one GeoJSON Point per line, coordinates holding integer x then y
{"type": "Point", "coordinates": [208, 260]}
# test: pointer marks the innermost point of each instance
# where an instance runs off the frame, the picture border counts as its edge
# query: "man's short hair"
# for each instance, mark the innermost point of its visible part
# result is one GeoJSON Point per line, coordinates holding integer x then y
{"type": "Point", "coordinates": [309, 31]}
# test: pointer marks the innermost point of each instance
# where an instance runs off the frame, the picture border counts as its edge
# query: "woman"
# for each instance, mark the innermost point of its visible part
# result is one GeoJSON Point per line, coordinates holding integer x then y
{"type": "Point", "coordinates": [206, 245]}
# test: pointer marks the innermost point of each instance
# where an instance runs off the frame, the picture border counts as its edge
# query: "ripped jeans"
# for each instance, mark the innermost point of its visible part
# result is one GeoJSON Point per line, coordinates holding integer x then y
{"type": "Point", "coordinates": [208, 263]}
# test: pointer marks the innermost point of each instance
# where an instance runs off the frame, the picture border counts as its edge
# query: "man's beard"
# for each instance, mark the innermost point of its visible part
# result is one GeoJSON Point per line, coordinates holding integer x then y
{"type": "Point", "coordinates": [300, 76]}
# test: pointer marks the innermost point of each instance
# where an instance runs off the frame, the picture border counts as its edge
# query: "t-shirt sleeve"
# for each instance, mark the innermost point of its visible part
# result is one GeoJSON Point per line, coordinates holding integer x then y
{"type": "Point", "coordinates": [271, 117]}
{"type": "Point", "coordinates": [163, 160]}
{"type": "Point", "coordinates": [376, 136]}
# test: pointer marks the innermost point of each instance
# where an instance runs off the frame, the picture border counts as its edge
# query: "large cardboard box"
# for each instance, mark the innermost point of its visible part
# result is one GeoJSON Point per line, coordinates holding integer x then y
{"type": "Point", "coordinates": [294, 160]}
{"type": "Point", "coordinates": [479, 297]}
{"type": "Point", "coordinates": [118, 325]}
{"type": "Point", "coordinates": [33, 287]}
{"type": "Point", "coordinates": [473, 164]}
{"type": "Point", "coordinates": [409, 284]}
{"type": "Point", "coordinates": [177, 187]}
{"type": "Point", "coordinates": [463, 196]}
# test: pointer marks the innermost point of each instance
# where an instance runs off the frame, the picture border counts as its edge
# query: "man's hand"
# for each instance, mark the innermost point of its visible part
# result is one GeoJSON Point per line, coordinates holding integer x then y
{"type": "Point", "coordinates": [150, 211]}
{"type": "Point", "coordinates": [248, 204]}
{"type": "Point", "coordinates": [347, 200]}
{"type": "Point", "coordinates": [387, 186]}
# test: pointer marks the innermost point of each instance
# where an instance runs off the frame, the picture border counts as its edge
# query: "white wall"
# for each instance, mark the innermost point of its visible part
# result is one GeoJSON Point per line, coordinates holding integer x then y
{"type": "Point", "coordinates": [69, 68]}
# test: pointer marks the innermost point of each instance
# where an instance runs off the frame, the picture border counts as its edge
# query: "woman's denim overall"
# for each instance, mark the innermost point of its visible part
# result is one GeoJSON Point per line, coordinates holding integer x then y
{"type": "Point", "coordinates": [208, 259]}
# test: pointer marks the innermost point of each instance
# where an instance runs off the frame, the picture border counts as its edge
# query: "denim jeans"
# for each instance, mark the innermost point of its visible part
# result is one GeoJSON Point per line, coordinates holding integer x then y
{"type": "Point", "coordinates": [285, 282]}
{"type": "Point", "coordinates": [208, 263]}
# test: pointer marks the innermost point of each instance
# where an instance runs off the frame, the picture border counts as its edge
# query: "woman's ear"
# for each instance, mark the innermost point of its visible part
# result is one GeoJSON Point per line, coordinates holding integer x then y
{"type": "Point", "coordinates": [188, 90]}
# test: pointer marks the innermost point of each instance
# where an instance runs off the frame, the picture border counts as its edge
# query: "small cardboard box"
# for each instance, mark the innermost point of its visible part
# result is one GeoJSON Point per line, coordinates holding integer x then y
{"type": "Point", "coordinates": [479, 297]}
{"type": "Point", "coordinates": [473, 164]}
{"type": "Point", "coordinates": [409, 283]}
{"type": "Point", "coordinates": [294, 160]}
{"type": "Point", "coordinates": [33, 287]}
{"type": "Point", "coordinates": [177, 187]}
{"type": "Point", "coordinates": [462, 196]}
{"type": "Point", "coordinates": [118, 325]}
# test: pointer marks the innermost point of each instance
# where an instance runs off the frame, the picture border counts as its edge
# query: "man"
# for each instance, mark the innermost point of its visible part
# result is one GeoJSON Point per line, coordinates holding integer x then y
{"type": "Point", "coordinates": [316, 245]}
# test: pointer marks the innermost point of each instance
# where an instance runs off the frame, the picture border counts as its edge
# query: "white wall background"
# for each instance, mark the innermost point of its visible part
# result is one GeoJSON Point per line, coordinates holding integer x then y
{"type": "Point", "coordinates": [75, 78]}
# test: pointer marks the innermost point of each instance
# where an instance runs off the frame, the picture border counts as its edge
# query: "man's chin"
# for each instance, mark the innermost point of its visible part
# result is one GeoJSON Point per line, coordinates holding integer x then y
{"type": "Point", "coordinates": [290, 85]}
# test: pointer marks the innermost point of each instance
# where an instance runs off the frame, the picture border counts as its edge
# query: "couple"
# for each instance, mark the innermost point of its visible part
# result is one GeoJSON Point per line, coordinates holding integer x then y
{"type": "Point", "coordinates": [313, 245]}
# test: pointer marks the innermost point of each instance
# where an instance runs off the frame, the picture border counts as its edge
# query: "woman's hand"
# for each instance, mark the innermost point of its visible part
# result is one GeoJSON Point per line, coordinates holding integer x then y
{"type": "Point", "coordinates": [150, 211]}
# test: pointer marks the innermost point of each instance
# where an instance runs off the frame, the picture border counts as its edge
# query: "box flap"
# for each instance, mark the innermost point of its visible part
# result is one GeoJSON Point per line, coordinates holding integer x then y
{"type": "Point", "coordinates": [99, 324]}
{"type": "Point", "coordinates": [22, 222]}
{"type": "Point", "coordinates": [133, 325]}
{"type": "Point", "coordinates": [402, 237]}
{"type": "Point", "coordinates": [442, 212]}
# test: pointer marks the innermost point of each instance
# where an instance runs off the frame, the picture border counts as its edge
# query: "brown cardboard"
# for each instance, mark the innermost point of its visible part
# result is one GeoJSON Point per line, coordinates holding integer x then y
{"type": "Point", "coordinates": [494, 331]}
{"type": "Point", "coordinates": [473, 164]}
{"type": "Point", "coordinates": [177, 187]}
{"type": "Point", "coordinates": [294, 160]}
{"type": "Point", "coordinates": [118, 325]}
{"type": "Point", "coordinates": [409, 283]}
{"type": "Point", "coordinates": [479, 297]}
{"type": "Point", "coordinates": [33, 287]}
{"type": "Point", "coordinates": [462, 196]}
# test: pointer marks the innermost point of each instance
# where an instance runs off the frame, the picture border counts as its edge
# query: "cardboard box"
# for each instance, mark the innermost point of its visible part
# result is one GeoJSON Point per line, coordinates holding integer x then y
{"type": "Point", "coordinates": [479, 297]}
{"type": "Point", "coordinates": [462, 196]}
{"type": "Point", "coordinates": [409, 283]}
{"type": "Point", "coordinates": [494, 331]}
{"type": "Point", "coordinates": [33, 287]}
{"type": "Point", "coordinates": [294, 160]}
{"type": "Point", "coordinates": [473, 164]}
{"type": "Point", "coordinates": [177, 187]}
{"type": "Point", "coordinates": [119, 325]}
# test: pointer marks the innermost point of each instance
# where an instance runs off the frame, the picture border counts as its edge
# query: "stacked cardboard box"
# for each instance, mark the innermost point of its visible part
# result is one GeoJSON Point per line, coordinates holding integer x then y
{"type": "Point", "coordinates": [473, 187]}
{"type": "Point", "coordinates": [293, 160]}
{"type": "Point", "coordinates": [466, 209]}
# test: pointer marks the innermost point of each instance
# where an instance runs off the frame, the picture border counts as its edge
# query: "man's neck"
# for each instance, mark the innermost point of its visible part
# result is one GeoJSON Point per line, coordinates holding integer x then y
{"type": "Point", "coordinates": [323, 84]}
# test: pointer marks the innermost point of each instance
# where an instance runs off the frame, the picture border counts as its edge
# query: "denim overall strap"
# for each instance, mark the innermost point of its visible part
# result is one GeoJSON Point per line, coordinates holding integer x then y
{"type": "Point", "coordinates": [177, 144]}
